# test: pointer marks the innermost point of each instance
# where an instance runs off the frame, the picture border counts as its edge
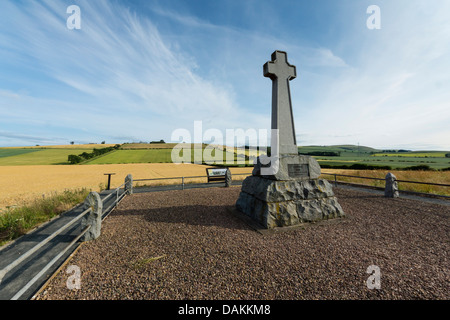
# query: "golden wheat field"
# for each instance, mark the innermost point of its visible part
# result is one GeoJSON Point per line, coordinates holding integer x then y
{"type": "Point", "coordinates": [22, 184]}
{"type": "Point", "coordinates": [441, 177]}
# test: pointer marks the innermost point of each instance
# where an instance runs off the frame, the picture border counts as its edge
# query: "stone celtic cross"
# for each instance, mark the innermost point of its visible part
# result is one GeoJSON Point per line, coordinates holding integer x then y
{"type": "Point", "coordinates": [285, 188]}
{"type": "Point", "coordinates": [281, 72]}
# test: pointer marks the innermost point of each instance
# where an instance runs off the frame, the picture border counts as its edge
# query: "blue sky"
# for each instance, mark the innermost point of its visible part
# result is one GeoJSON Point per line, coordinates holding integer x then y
{"type": "Point", "coordinates": [139, 70]}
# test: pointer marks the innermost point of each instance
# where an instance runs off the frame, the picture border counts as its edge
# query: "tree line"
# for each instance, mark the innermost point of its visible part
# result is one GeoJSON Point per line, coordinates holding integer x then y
{"type": "Point", "coordinates": [74, 159]}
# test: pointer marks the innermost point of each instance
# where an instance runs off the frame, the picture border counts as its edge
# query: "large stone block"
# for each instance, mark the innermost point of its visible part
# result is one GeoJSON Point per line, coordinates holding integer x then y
{"type": "Point", "coordinates": [287, 203]}
{"type": "Point", "coordinates": [275, 191]}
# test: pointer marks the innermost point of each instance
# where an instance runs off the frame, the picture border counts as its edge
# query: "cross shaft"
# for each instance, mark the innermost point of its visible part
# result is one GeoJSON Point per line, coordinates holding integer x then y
{"type": "Point", "coordinates": [281, 72]}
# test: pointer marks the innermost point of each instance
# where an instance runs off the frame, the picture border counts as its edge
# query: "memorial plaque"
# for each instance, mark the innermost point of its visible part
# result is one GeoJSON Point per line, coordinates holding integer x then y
{"type": "Point", "coordinates": [298, 170]}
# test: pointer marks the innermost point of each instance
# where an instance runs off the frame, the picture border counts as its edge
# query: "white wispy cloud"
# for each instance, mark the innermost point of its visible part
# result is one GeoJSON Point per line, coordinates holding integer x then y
{"type": "Point", "coordinates": [396, 90]}
{"type": "Point", "coordinates": [121, 75]}
{"type": "Point", "coordinates": [118, 62]}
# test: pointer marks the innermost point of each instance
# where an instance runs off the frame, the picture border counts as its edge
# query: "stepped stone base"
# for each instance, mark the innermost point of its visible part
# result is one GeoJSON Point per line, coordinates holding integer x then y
{"type": "Point", "coordinates": [275, 203]}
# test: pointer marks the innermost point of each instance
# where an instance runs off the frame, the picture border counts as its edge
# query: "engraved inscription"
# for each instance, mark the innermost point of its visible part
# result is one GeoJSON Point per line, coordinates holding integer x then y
{"type": "Point", "coordinates": [298, 170]}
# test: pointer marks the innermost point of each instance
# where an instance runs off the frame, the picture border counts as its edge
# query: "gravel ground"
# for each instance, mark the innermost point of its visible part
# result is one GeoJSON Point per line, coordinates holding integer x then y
{"type": "Point", "coordinates": [188, 245]}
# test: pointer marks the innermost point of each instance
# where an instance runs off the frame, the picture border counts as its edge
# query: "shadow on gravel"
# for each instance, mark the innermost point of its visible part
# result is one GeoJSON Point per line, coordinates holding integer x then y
{"type": "Point", "coordinates": [195, 215]}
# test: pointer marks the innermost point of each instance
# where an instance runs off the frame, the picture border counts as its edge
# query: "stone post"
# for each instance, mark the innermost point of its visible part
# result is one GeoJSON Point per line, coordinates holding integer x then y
{"type": "Point", "coordinates": [391, 188]}
{"type": "Point", "coordinates": [228, 178]}
{"type": "Point", "coordinates": [93, 218]}
{"type": "Point", "coordinates": [129, 184]}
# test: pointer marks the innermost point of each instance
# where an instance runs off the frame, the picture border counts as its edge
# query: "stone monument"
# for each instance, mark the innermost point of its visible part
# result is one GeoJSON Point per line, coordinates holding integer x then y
{"type": "Point", "coordinates": [94, 218]}
{"type": "Point", "coordinates": [228, 178]}
{"type": "Point", "coordinates": [391, 187]}
{"type": "Point", "coordinates": [285, 189]}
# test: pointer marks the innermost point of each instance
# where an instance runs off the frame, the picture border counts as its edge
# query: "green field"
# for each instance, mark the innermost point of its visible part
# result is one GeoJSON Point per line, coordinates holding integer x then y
{"type": "Point", "coordinates": [349, 155]}
{"type": "Point", "coordinates": [143, 156]}
{"type": "Point", "coordinates": [134, 156]}
{"type": "Point", "coordinates": [346, 155]}
{"type": "Point", "coordinates": [21, 157]}
{"type": "Point", "coordinates": [418, 154]}
{"type": "Point", "coordinates": [342, 149]}
{"type": "Point", "coordinates": [15, 152]}
{"type": "Point", "coordinates": [127, 146]}
{"type": "Point", "coordinates": [392, 161]}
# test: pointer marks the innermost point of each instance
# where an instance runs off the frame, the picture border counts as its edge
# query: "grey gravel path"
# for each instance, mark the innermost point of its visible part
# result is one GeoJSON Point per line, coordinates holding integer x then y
{"type": "Point", "coordinates": [186, 244]}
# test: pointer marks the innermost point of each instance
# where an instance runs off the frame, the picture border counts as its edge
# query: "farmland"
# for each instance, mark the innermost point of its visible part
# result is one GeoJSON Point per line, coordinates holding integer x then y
{"type": "Point", "coordinates": [348, 155]}
{"type": "Point", "coordinates": [134, 156]}
{"type": "Point", "coordinates": [391, 161]}
{"type": "Point", "coordinates": [25, 183]}
{"type": "Point", "coordinates": [27, 173]}
{"type": "Point", "coordinates": [419, 176]}
{"type": "Point", "coordinates": [25, 157]}
{"type": "Point", "coordinates": [153, 155]}
{"type": "Point", "coordinates": [328, 157]}
{"type": "Point", "coordinates": [133, 146]}
{"type": "Point", "coordinates": [4, 153]}
{"type": "Point", "coordinates": [64, 146]}
{"type": "Point", "coordinates": [416, 154]}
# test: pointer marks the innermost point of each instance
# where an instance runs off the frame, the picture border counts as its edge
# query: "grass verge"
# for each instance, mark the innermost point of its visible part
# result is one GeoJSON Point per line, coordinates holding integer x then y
{"type": "Point", "coordinates": [16, 222]}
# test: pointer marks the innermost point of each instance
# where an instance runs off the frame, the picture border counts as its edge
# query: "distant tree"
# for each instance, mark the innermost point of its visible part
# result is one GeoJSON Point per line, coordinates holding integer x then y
{"type": "Point", "coordinates": [85, 155]}
{"type": "Point", "coordinates": [447, 155]}
{"type": "Point", "coordinates": [323, 153]}
{"type": "Point", "coordinates": [72, 142]}
{"type": "Point", "coordinates": [73, 159]}
{"type": "Point", "coordinates": [160, 141]}
{"type": "Point", "coordinates": [103, 142]}
{"type": "Point", "coordinates": [95, 153]}
{"type": "Point", "coordinates": [423, 167]}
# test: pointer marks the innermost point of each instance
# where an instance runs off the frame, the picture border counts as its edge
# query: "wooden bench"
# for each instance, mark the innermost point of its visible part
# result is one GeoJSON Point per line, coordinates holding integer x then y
{"type": "Point", "coordinates": [216, 174]}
